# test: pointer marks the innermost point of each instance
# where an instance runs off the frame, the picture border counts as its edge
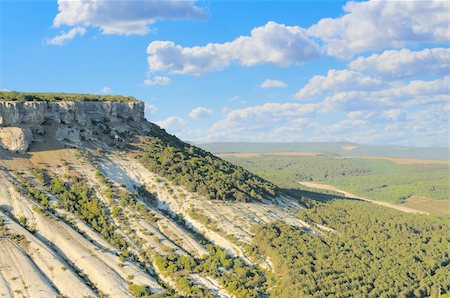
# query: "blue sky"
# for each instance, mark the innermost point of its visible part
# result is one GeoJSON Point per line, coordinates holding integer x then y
{"type": "Point", "coordinates": [367, 72]}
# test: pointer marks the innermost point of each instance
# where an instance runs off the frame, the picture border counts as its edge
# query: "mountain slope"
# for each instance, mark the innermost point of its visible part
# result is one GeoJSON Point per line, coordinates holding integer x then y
{"type": "Point", "coordinates": [200, 171]}
{"type": "Point", "coordinates": [104, 203]}
{"type": "Point", "coordinates": [128, 210]}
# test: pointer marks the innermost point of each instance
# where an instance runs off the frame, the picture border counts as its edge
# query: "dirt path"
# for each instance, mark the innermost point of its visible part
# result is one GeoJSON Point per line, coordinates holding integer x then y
{"type": "Point", "coordinates": [350, 195]}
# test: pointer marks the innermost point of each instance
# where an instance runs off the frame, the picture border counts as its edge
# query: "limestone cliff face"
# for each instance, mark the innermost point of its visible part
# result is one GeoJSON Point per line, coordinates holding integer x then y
{"type": "Point", "coordinates": [69, 112]}
{"type": "Point", "coordinates": [22, 122]}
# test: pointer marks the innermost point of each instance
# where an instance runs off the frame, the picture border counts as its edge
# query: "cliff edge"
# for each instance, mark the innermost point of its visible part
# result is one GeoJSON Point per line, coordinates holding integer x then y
{"type": "Point", "coordinates": [22, 122]}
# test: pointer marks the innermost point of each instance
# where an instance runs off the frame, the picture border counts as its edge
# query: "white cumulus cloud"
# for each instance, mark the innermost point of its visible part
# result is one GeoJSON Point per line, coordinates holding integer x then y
{"type": "Point", "coordinates": [149, 110]}
{"type": "Point", "coordinates": [200, 112]}
{"type": "Point", "coordinates": [338, 80]}
{"type": "Point", "coordinates": [106, 90]}
{"type": "Point", "coordinates": [393, 114]}
{"type": "Point", "coordinates": [272, 43]}
{"type": "Point", "coordinates": [125, 17]}
{"type": "Point", "coordinates": [172, 124]}
{"type": "Point", "coordinates": [296, 122]}
{"type": "Point", "coordinates": [376, 25]}
{"type": "Point", "coordinates": [360, 115]}
{"type": "Point", "coordinates": [157, 80]}
{"type": "Point", "coordinates": [62, 38]}
{"type": "Point", "coordinates": [272, 84]}
{"type": "Point", "coordinates": [262, 122]}
{"type": "Point", "coordinates": [404, 94]}
{"type": "Point", "coordinates": [403, 63]}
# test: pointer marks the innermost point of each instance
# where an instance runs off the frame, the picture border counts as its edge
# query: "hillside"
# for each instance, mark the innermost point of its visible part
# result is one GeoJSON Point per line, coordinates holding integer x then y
{"type": "Point", "coordinates": [97, 201]}
{"type": "Point", "coordinates": [121, 208]}
{"type": "Point", "coordinates": [199, 171]}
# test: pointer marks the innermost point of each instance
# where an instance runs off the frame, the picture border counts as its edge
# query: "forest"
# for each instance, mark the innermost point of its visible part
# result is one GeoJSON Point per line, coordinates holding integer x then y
{"type": "Point", "coordinates": [238, 278]}
{"type": "Point", "coordinates": [199, 171]}
{"type": "Point", "coordinates": [372, 252]}
{"type": "Point", "coordinates": [374, 179]}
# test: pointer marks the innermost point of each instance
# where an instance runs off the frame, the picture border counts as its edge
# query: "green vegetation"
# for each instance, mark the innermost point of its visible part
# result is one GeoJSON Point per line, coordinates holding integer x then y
{"type": "Point", "coordinates": [34, 96]}
{"type": "Point", "coordinates": [238, 278]}
{"type": "Point", "coordinates": [233, 274]}
{"type": "Point", "coordinates": [374, 179]}
{"type": "Point", "coordinates": [339, 148]}
{"type": "Point", "coordinates": [374, 252]}
{"type": "Point", "coordinates": [33, 193]}
{"type": "Point", "coordinates": [19, 239]}
{"type": "Point", "coordinates": [177, 268]}
{"type": "Point", "coordinates": [139, 291]}
{"type": "Point", "coordinates": [78, 198]}
{"type": "Point", "coordinates": [199, 171]}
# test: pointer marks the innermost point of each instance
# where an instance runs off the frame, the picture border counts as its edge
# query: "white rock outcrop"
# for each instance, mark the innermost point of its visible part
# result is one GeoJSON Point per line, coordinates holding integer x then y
{"type": "Point", "coordinates": [69, 112]}
{"type": "Point", "coordinates": [22, 122]}
{"type": "Point", "coordinates": [15, 138]}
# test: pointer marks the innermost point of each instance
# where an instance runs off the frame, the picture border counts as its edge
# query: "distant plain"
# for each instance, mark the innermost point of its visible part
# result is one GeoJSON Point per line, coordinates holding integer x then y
{"type": "Point", "coordinates": [417, 178]}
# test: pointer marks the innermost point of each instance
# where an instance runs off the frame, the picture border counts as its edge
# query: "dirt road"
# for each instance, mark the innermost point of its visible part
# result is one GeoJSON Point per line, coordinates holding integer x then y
{"type": "Point", "coordinates": [350, 195]}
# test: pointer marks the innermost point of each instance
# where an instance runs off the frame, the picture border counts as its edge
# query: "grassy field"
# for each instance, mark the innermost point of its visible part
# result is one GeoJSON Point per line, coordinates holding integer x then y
{"type": "Point", "coordinates": [338, 148]}
{"type": "Point", "coordinates": [376, 179]}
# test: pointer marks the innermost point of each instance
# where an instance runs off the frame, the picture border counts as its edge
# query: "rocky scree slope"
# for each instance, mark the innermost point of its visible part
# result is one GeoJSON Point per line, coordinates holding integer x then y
{"type": "Point", "coordinates": [97, 201]}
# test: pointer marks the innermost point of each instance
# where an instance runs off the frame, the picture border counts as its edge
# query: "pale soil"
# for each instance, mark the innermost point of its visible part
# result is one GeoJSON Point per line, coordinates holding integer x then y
{"type": "Point", "coordinates": [211, 284]}
{"type": "Point", "coordinates": [102, 268]}
{"type": "Point", "coordinates": [240, 154]}
{"type": "Point", "coordinates": [350, 195]}
{"type": "Point", "coordinates": [205, 281]}
{"type": "Point", "coordinates": [53, 266]}
{"type": "Point", "coordinates": [58, 245]}
{"type": "Point", "coordinates": [165, 233]}
{"type": "Point", "coordinates": [401, 161]}
{"type": "Point", "coordinates": [50, 153]}
{"type": "Point", "coordinates": [91, 235]}
{"type": "Point", "coordinates": [188, 243]}
{"type": "Point", "coordinates": [65, 162]}
{"type": "Point", "coordinates": [163, 236]}
{"type": "Point", "coordinates": [438, 207]}
{"type": "Point", "coordinates": [348, 147]}
{"type": "Point", "coordinates": [19, 275]}
{"type": "Point", "coordinates": [232, 218]}
{"type": "Point", "coordinates": [294, 153]}
{"type": "Point", "coordinates": [153, 236]}
{"type": "Point", "coordinates": [131, 173]}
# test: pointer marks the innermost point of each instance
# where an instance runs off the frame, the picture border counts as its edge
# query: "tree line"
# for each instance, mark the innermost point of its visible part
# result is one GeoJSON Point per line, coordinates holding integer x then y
{"type": "Point", "coordinates": [199, 171]}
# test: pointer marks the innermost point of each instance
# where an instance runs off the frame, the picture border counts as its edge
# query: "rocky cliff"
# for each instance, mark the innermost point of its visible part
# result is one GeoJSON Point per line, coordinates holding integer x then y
{"type": "Point", "coordinates": [69, 112]}
{"type": "Point", "coordinates": [23, 122]}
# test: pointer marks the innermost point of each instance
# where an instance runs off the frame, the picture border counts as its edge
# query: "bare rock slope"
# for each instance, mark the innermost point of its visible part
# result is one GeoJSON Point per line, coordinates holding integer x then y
{"type": "Point", "coordinates": [90, 211]}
